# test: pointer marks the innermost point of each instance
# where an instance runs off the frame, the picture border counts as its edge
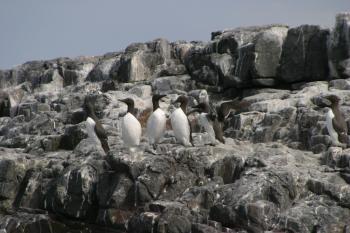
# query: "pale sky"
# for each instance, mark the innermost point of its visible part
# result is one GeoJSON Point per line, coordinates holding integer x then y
{"type": "Point", "coordinates": [46, 29]}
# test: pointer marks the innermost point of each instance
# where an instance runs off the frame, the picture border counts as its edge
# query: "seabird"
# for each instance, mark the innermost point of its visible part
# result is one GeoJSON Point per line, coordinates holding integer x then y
{"type": "Point", "coordinates": [180, 123]}
{"type": "Point", "coordinates": [131, 127]}
{"type": "Point", "coordinates": [227, 107]}
{"type": "Point", "coordinates": [95, 123]}
{"type": "Point", "coordinates": [336, 124]}
{"type": "Point", "coordinates": [156, 122]}
{"type": "Point", "coordinates": [209, 122]}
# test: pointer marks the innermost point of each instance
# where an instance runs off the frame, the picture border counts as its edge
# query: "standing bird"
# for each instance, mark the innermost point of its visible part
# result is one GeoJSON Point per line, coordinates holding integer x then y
{"type": "Point", "coordinates": [209, 122]}
{"type": "Point", "coordinates": [94, 123]}
{"type": "Point", "coordinates": [336, 124]}
{"type": "Point", "coordinates": [227, 107]}
{"type": "Point", "coordinates": [180, 123]}
{"type": "Point", "coordinates": [156, 122]}
{"type": "Point", "coordinates": [131, 127]}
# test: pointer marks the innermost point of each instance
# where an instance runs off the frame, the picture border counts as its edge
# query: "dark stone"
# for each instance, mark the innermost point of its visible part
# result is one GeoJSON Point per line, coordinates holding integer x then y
{"type": "Point", "coordinates": [108, 85]}
{"type": "Point", "coordinates": [72, 136]}
{"type": "Point", "coordinates": [340, 45]}
{"type": "Point", "coordinates": [244, 66]}
{"type": "Point", "coordinates": [304, 55]}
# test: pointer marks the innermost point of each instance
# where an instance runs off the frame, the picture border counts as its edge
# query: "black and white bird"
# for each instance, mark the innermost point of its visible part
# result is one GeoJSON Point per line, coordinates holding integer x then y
{"type": "Point", "coordinates": [235, 105]}
{"type": "Point", "coordinates": [131, 127]}
{"type": "Point", "coordinates": [156, 122]}
{"type": "Point", "coordinates": [212, 119]}
{"type": "Point", "coordinates": [180, 123]}
{"type": "Point", "coordinates": [95, 128]}
{"type": "Point", "coordinates": [209, 122]}
{"type": "Point", "coordinates": [336, 124]}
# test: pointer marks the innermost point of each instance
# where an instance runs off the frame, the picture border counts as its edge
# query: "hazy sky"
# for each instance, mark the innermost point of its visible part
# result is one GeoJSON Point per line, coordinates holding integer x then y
{"type": "Point", "coordinates": [46, 29]}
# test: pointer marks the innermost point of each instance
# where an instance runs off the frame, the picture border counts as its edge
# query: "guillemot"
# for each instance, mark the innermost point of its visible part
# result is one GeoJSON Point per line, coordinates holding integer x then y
{"type": "Point", "coordinates": [131, 127]}
{"type": "Point", "coordinates": [156, 122]}
{"type": "Point", "coordinates": [225, 108]}
{"type": "Point", "coordinates": [180, 123]}
{"type": "Point", "coordinates": [209, 122]}
{"type": "Point", "coordinates": [336, 124]}
{"type": "Point", "coordinates": [95, 124]}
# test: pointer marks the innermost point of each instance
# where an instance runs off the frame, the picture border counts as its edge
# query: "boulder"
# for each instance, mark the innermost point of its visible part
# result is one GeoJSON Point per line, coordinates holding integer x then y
{"type": "Point", "coordinates": [268, 49]}
{"type": "Point", "coordinates": [140, 61]}
{"type": "Point", "coordinates": [103, 68]}
{"type": "Point", "coordinates": [340, 46]}
{"type": "Point", "coordinates": [304, 55]}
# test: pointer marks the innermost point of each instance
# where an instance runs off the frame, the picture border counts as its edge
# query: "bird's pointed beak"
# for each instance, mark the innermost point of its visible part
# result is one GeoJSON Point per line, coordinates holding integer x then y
{"type": "Point", "coordinates": [175, 102]}
{"type": "Point", "coordinates": [122, 100]}
{"type": "Point", "coordinates": [194, 109]}
{"type": "Point", "coordinates": [326, 101]}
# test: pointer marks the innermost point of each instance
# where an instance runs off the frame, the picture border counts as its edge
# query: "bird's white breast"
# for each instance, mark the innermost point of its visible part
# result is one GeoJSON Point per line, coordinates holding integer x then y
{"type": "Point", "coordinates": [90, 127]}
{"type": "Point", "coordinates": [181, 127]}
{"type": "Point", "coordinates": [329, 121]}
{"type": "Point", "coordinates": [156, 125]}
{"type": "Point", "coordinates": [131, 130]}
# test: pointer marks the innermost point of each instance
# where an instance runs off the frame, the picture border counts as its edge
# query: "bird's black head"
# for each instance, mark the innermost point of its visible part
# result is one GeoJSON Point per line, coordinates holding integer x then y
{"type": "Point", "coordinates": [181, 99]}
{"type": "Point", "coordinates": [155, 101]}
{"type": "Point", "coordinates": [183, 102]}
{"type": "Point", "coordinates": [202, 107]}
{"type": "Point", "coordinates": [334, 99]}
{"type": "Point", "coordinates": [130, 103]}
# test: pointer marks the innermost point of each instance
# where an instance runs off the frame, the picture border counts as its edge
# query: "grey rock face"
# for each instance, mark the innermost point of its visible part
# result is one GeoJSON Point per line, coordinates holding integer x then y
{"type": "Point", "coordinates": [255, 52]}
{"type": "Point", "coordinates": [268, 49]}
{"type": "Point", "coordinates": [142, 61]}
{"type": "Point", "coordinates": [304, 54]}
{"type": "Point", "coordinates": [339, 46]}
{"type": "Point", "coordinates": [276, 172]}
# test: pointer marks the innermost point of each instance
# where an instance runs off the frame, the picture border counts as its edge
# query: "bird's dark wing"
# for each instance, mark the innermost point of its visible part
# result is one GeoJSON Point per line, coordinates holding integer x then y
{"type": "Point", "coordinates": [339, 125]}
{"type": "Point", "coordinates": [102, 135]}
{"type": "Point", "coordinates": [233, 105]}
{"type": "Point", "coordinates": [341, 128]}
{"type": "Point", "coordinates": [211, 116]}
{"type": "Point", "coordinates": [191, 139]}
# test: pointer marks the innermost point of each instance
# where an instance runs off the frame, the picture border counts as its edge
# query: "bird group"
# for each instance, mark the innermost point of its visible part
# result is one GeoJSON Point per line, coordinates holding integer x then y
{"type": "Point", "coordinates": [131, 130]}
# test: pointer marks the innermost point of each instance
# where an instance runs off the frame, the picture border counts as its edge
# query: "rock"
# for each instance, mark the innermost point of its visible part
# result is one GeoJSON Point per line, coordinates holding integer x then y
{"type": "Point", "coordinates": [303, 218]}
{"type": "Point", "coordinates": [304, 55]}
{"type": "Point", "coordinates": [336, 157]}
{"type": "Point", "coordinates": [103, 68]}
{"type": "Point", "coordinates": [140, 61]}
{"type": "Point", "coordinates": [268, 49]}
{"type": "Point", "coordinates": [72, 136]}
{"type": "Point", "coordinates": [276, 171]}
{"type": "Point", "coordinates": [108, 85]}
{"type": "Point", "coordinates": [340, 46]}
{"type": "Point", "coordinates": [171, 84]}
{"type": "Point", "coordinates": [199, 64]}
{"type": "Point", "coordinates": [242, 206]}
{"type": "Point", "coordinates": [80, 183]}
{"type": "Point", "coordinates": [142, 91]}
{"type": "Point", "coordinates": [341, 193]}
{"type": "Point", "coordinates": [201, 228]}
{"type": "Point", "coordinates": [244, 65]}
{"type": "Point", "coordinates": [74, 71]}
{"type": "Point", "coordinates": [339, 84]}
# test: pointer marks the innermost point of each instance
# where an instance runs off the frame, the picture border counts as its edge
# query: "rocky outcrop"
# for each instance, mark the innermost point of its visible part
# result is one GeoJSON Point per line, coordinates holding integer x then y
{"type": "Point", "coordinates": [277, 172]}
{"type": "Point", "coordinates": [339, 46]}
{"type": "Point", "coordinates": [304, 55]}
